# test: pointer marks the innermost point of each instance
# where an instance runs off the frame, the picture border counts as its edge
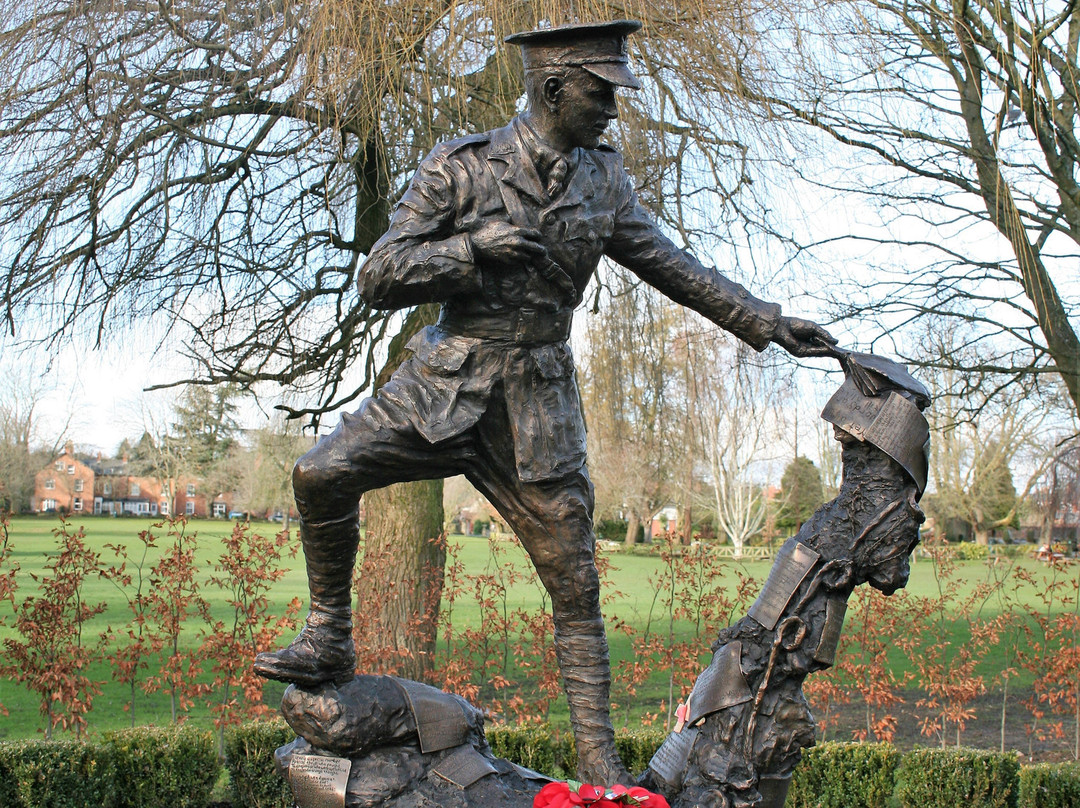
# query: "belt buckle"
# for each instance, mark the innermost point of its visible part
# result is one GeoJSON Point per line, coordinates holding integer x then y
{"type": "Point", "coordinates": [525, 320]}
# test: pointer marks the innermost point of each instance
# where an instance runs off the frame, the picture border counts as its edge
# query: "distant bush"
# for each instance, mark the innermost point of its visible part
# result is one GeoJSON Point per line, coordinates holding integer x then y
{"type": "Point", "coordinates": [610, 530]}
{"type": "Point", "coordinates": [969, 551]}
{"type": "Point", "coordinates": [845, 775]}
{"type": "Point", "coordinates": [957, 778]}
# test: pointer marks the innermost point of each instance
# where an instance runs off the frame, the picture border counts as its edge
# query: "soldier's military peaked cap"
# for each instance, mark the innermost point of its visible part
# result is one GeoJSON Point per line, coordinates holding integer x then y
{"type": "Point", "coordinates": [599, 48]}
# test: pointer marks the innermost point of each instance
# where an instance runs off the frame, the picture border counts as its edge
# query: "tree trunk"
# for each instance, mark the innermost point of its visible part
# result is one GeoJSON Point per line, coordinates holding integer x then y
{"type": "Point", "coordinates": [1046, 530]}
{"type": "Point", "coordinates": [632, 525]}
{"type": "Point", "coordinates": [399, 583]}
{"type": "Point", "coordinates": [400, 579]}
{"type": "Point", "coordinates": [1050, 311]}
{"type": "Point", "coordinates": [686, 525]}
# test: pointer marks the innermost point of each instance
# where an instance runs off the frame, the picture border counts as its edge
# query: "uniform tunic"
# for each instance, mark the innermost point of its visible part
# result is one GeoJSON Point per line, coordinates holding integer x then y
{"type": "Point", "coordinates": [490, 390]}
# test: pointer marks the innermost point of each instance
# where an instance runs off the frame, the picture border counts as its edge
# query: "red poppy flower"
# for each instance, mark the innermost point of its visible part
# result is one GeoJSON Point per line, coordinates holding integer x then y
{"type": "Point", "coordinates": [590, 792]}
{"type": "Point", "coordinates": [559, 795]}
{"type": "Point", "coordinates": [556, 795]}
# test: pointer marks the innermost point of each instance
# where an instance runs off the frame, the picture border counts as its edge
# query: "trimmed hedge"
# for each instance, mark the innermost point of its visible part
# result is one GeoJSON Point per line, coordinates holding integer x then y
{"type": "Point", "coordinates": [175, 767]}
{"type": "Point", "coordinates": [53, 774]}
{"type": "Point", "coordinates": [637, 747]}
{"type": "Point", "coordinates": [178, 768]}
{"type": "Point", "coordinates": [168, 766]}
{"type": "Point", "coordinates": [1049, 785]}
{"type": "Point", "coordinates": [845, 775]}
{"type": "Point", "coordinates": [249, 759]}
{"type": "Point", "coordinates": [534, 747]}
{"type": "Point", "coordinates": [537, 748]}
{"type": "Point", "coordinates": [957, 778]}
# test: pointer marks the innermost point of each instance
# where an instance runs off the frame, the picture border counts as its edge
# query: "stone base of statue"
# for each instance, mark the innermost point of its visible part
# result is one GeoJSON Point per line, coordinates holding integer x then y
{"type": "Point", "coordinates": [382, 741]}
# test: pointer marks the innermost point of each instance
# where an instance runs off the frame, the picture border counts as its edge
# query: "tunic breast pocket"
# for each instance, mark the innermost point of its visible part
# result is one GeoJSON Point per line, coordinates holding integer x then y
{"type": "Point", "coordinates": [594, 230]}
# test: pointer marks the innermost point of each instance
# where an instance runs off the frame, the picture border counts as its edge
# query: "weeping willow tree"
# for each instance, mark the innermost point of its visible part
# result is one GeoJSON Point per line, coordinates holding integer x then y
{"type": "Point", "coordinates": [958, 123]}
{"type": "Point", "coordinates": [221, 169]}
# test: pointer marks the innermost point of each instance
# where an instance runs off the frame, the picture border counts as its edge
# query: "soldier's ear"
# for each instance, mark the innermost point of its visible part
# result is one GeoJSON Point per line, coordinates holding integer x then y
{"type": "Point", "coordinates": [552, 91]}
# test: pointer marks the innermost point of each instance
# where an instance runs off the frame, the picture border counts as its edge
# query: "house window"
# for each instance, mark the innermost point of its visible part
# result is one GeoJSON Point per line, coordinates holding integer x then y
{"type": "Point", "coordinates": [142, 507]}
{"type": "Point", "coordinates": [71, 469]}
{"type": "Point", "coordinates": [76, 504]}
{"type": "Point", "coordinates": [134, 490]}
{"type": "Point", "coordinates": [79, 484]}
{"type": "Point", "coordinates": [50, 484]}
{"type": "Point", "coordinates": [189, 509]}
{"type": "Point", "coordinates": [59, 465]}
{"type": "Point", "coordinates": [48, 504]}
{"type": "Point", "coordinates": [164, 508]}
{"type": "Point", "coordinates": [106, 489]}
{"type": "Point", "coordinates": [219, 510]}
{"type": "Point", "coordinates": [191, 489]}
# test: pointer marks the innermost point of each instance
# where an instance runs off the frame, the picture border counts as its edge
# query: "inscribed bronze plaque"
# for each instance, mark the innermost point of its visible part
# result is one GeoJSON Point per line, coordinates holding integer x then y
{"type": "Point", "coordinates": [440, 721]}
{"type": "Point", "coordinates": [891, 422]}
{"type": "Point", "coordinates": [903, 433]}
{"type": "Point", "coordinates": [464, 766]}
{"type": "Point", "coordinates": [851, 410]}
{"type": "Point", "coordinates": [720, 685]}
{"type": "Point", "coordinates": [319, 782]}
{"type": "Point", "coordinates": [670, 761]}
{"type": "Point", "coordinates": [835, 609]}
{"type": "Point", "coordinates": [792, 564]}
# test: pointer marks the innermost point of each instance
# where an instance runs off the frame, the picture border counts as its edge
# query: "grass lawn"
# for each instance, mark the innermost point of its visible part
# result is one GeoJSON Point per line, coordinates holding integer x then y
{"type": "Point", "coordinates": [630, 590]}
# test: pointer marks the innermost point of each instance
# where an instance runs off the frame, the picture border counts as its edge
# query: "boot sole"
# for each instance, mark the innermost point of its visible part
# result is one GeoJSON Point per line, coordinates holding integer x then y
{"type": "Point", "coordinates": [269, 670]}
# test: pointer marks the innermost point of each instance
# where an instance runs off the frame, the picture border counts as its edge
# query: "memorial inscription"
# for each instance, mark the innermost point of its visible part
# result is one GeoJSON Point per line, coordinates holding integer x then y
{"type": "Point", "coordinates": [318, 781]}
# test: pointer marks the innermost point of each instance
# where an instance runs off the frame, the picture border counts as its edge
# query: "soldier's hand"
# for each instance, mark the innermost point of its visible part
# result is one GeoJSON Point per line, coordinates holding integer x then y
{"type": "Point", "coordinates": [804, 338]}
{"type": "Point", "coordinates": [505, 243]}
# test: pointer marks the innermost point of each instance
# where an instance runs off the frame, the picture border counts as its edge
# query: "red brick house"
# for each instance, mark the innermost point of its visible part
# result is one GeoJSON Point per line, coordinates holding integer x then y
{"type": "Point", "coordinates": [108, 486]}
{"type": "Point", "coordinates": [126, 493]}
{"type": "Point", "coordinates": [104, 486]}
{"type": "Point", "coordinates": [191, 498]}
{"type": "Point", "coordinates": [66, 485]}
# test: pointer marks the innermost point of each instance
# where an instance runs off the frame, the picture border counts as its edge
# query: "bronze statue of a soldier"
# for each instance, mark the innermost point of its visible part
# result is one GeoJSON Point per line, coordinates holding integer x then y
{"type": "Point", "coordinates": [505, 229]}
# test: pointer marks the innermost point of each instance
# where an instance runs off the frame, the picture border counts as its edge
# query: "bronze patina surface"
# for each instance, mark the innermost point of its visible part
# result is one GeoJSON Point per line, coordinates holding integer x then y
{"type": "Point", "coordinates": [742, 733]}
{"type": "Point", "coordinates": [505, 229]}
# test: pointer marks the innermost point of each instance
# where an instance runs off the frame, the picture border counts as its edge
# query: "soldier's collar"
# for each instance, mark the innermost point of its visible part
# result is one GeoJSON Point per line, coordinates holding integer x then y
{"type": "Point", "coordinates": [541, 154]}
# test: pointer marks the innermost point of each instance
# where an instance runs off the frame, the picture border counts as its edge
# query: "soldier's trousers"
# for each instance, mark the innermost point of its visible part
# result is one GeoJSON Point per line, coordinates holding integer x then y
{"type": "Point", "coordinates": [378, 446]}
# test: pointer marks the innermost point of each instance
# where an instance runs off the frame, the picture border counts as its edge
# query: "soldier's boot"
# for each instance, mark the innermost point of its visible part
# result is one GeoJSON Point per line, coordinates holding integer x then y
{"type": "Point", "coordinates": [582, 649]}
{"type": "Point", "coordinates": [324, 650]}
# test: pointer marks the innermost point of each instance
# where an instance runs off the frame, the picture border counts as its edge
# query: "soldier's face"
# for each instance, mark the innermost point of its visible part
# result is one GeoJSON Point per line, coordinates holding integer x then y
{"type": "Point", "coordinates": [585, 107]}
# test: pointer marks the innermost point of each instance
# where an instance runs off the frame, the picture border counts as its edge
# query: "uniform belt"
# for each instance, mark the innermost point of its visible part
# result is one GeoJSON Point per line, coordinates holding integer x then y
{"type": "Point", "coordinates": [520, 326]}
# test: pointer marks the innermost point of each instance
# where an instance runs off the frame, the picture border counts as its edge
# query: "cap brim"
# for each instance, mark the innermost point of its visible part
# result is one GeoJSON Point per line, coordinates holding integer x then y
{"type": "Point", "coordinates": [616, 73]}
